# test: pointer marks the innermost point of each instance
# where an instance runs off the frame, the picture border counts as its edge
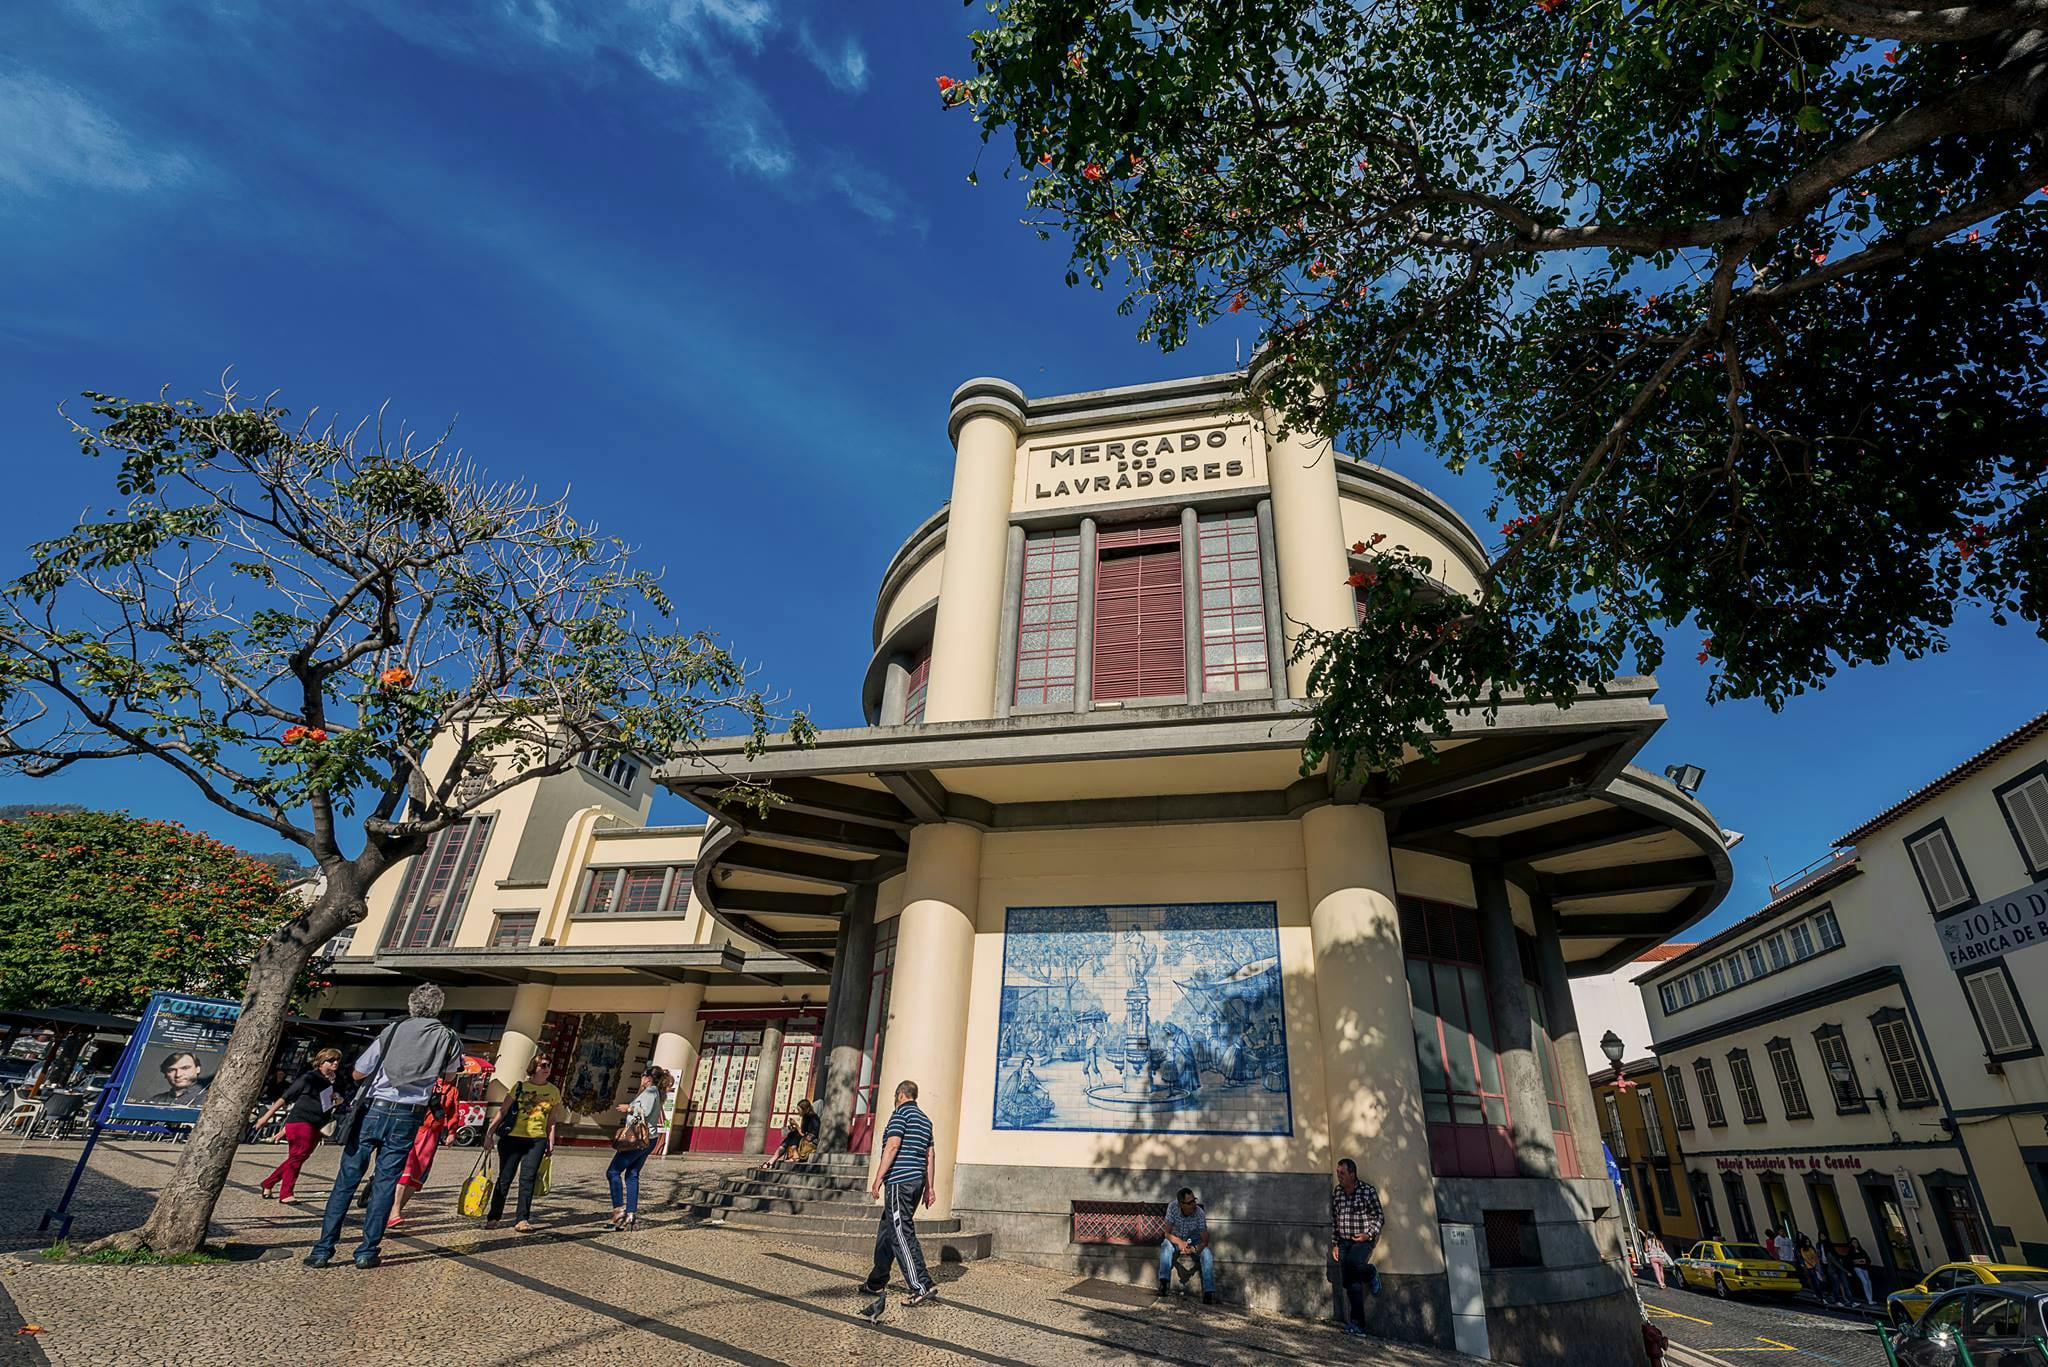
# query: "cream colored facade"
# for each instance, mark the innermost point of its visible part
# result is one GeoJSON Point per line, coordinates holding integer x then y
{"type": "Point", "coordinates": [1087, 897]}
{"type": "Point", "coordinates": [559, 919]}
{"type": "Point", "coordinates": [1934, 1148]}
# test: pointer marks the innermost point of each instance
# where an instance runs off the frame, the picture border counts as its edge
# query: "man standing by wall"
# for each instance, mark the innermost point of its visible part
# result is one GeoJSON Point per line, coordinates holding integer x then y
{"type": "Point", "coordinates": [903, 1177]}
{"type": "Point", "coordinates": [401, 1065]}
{"type": "Point", "coordinates": [1355, 1224]}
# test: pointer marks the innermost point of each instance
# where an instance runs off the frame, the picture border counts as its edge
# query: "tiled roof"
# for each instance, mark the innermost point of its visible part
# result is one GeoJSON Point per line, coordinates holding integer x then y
{"type": "Point", "coordinates": [1997, 750]}
{"type": "Point", "coordinates": [1657, 954]}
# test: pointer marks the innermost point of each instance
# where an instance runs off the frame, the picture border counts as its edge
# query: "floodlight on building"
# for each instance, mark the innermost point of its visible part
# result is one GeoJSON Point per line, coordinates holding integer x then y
{"type": "Point", "coordinates": [1686, 777]}
{"type": "Point", "coordinates": [1730, 839]}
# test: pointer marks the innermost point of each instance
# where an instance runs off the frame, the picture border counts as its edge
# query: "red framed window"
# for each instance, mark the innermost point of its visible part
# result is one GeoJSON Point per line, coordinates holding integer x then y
{"type": "Point", "coordinates": [1049, 620]}
{"type": "Point", "coordinates": [1233, 604]}
{"type": "Point", "coordinates": [920, 681]}
{"type": "Point", "coordinates": [1553, 1091]}
{"type": "Point", "coordinates": [437, 887]}
{"type": "Point", "coordinates": [1140, 626]}
{"type": "Point", "coordinates": [1464, 1094]}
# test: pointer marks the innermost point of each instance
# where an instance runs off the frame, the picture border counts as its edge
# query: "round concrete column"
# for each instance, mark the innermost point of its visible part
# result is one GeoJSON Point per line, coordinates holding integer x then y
{"type": "Point", "coordinates": [675, 1046]}
{"type": "Point", "coordinates": [522, 1036]}
{"type": "Point", "coordinates": [767, 1076]}
{"type": "Point", "coordinates": [987, 419]}
{"type": "Point", "coordinates": [1308, 532]}
{"type": "Point", "coordinates": [1368, 1036]}
{"type": "Point", "coordinates": [928, 1002]}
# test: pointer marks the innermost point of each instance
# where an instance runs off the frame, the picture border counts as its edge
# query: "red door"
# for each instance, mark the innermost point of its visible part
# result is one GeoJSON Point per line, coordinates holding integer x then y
{"type": "Point", "coordinates": [723, 1095]}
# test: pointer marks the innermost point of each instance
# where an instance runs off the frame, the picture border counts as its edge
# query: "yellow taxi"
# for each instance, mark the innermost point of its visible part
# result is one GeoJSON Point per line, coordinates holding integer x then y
{"type": "Point", "coordinates": [1725, 1269]}
{"type": "Point", "coordinates": [1908, 1305]}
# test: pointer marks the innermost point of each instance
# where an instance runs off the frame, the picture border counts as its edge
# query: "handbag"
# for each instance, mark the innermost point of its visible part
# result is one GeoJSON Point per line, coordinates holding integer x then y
{"type": "Point", "coordinates": [476, 1190]}
{"type": "Point", "coordinates": [632, 1135]}
{"type": "Point", "coordinates": [545, 1178]}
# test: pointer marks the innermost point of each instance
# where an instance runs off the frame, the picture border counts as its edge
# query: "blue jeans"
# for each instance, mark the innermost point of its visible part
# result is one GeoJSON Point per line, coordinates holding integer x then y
{"type": "Point", "coordinates": [386, 1136]}
{"type": "Point", "coordinates": [1203, 1257]}
{"type": "Point", "coordinates": [624, 1177]}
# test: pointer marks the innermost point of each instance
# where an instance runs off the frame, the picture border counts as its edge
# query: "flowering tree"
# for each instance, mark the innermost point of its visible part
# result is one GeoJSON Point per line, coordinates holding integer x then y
{"type": "Point", "coordinates": [100, 909]}
{"type": "Point", "coordinates": [1741, 303]}
{"type": "Point", "coordinates": [286, 615]}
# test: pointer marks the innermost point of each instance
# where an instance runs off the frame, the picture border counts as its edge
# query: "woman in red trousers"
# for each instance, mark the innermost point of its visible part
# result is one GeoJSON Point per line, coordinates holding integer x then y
{"type": "Point", "coordinates": [312, 1100]}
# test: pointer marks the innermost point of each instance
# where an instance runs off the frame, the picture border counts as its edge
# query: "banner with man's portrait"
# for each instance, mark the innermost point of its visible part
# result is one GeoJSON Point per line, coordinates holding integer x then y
{"type": "Point", "coordinates": [172, 1058]}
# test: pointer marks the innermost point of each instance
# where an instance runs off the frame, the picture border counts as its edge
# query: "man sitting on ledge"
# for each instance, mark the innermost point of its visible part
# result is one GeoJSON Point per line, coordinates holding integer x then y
{"type": "Point", "coordinates": [1187, 1237]}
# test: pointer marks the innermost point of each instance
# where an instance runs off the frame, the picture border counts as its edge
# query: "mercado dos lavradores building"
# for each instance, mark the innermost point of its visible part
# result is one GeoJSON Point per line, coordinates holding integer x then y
{"type": "Point", "coordinates": [1078, 887]}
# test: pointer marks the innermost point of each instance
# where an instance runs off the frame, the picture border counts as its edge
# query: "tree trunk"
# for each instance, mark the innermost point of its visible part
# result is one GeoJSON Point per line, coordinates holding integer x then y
{"type": "Point", "coordinates": [184, 1208]}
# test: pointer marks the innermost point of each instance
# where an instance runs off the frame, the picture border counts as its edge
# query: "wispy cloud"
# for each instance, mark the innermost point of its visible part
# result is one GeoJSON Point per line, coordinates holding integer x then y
{"type": "Point", "coordinates": [875, 197]}
{"type": "Point", "coordinates": [845, 64]}
{"type": "Point", "coordinates": [52, 136]}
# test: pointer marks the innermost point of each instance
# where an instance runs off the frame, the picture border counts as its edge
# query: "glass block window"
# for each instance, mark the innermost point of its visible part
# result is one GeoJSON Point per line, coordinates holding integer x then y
{"type": "Point", "coordinates": [1233, 604]}
{"type": "Point", "coordinates": [437, 887]}
{"type": "Point", "coordinates": [1049, 620]}
{"type": "Point", "coordinates": [1464, 1094]}
{"type": "Point", "coordinates": [920, 680]}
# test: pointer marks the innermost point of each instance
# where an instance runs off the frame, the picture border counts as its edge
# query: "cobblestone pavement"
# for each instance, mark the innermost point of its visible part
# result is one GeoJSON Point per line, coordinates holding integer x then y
{"type": "Point", "coordinates": [1765, 1332]}
{"type": "Point", "coordinates": [450, 1292]}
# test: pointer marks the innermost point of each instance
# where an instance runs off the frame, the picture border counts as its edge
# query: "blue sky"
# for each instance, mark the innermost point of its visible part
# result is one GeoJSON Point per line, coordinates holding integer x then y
{"type": "Point", "coordinates": [713, 264]}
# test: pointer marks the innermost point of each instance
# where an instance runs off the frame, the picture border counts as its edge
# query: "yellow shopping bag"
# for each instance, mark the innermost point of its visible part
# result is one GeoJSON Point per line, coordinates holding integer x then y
{"type": "Point", "coordinates": [545, 1178]}
{"type": "Point", "coordinates": [476, 1192]}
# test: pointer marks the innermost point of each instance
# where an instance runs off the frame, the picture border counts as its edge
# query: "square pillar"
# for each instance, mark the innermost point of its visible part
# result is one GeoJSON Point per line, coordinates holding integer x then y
{"type": "Point", "coordinates": [1368, 1034]}
{"type": "Point", "coordinates": [1514, 1027]}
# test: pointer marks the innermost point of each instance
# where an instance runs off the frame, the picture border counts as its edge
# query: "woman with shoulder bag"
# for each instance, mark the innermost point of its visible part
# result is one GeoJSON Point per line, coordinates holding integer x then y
{"type": "Point", "coordinates": [634, 1142]}
{"type": "Point", "coordinates": [313, 1100]}
{"type": "Point", "coordinates": [525, 1131]}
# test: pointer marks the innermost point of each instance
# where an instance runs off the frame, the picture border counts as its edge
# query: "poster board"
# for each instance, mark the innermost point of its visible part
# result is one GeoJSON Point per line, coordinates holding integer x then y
{"type": "Point", "coordinates": [171, 1059]}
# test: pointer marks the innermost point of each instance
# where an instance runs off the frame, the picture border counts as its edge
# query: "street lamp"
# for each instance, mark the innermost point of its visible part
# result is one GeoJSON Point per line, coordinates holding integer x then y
{"type": "Point", "coordinates": [1845, 1080]}
{"type": "Point", "coordinates": [1611, 1045]}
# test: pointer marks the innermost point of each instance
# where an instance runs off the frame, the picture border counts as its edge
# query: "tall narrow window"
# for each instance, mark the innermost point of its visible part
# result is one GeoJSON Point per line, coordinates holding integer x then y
{"type": "Point", "coordinates": [1902, 1058]}
{"type": "Point", "coordinates": [1049, 619]}
{"type": "Point", "coordinates": [1464, 1094]}
{"type": "Point", "coordinates": [1653, 1123]}
{"type": "Point", "coordinates": [1746, 1094]}
{"type": "Point", "coordinates": [1681, 1105]}
{"type": "Point", "coordinates": [914, 690]}
{"type": "Point", "coordinates": [1840, 1070]}
{"type": "Point", "coordinates": [1710, 1091]}
{"type": "Point", "coordinates": [1617, 1137]}
{"type": "Point", "coordinates": [437, 887]}
{"type": "Point", "coordinates": [2025, 803]}
{"type": "Point", "coordinates": [1998, 1012]}
{"type": "Point", "coordinates": [1941, 872]}
{"type": "Point", "coordinates": [1790, 1089]}
{"type": "Point", "coordinates": [1828, 929]}
{"type": "Point", "coordinates": [1140, 625]}
{"type": "Point", "coordinates": [1233, 605]}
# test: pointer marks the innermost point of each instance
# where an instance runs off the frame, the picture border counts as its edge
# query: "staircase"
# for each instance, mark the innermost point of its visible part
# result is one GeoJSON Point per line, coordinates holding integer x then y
{"type": "Point", "coordinates": [823, 1203]}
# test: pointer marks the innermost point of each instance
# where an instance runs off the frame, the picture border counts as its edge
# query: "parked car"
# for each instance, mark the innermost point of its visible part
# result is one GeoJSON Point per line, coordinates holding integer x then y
{"type": "Point", "coordinates": [2000, 1324]}
{"type": "Point", "coordinates": [1725, 1268]}
{"type": "Point", "coordinates": [1906, 1306]}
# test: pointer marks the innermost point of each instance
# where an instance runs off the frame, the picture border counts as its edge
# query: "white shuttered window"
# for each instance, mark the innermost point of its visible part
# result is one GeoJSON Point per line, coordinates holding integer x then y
{"type": "Point", "coordinates": [2005, 1029]}
{"type": "Point", "coordinates": [1940, 871]}
{"type": "Point", "coordinates": [2026, 806]}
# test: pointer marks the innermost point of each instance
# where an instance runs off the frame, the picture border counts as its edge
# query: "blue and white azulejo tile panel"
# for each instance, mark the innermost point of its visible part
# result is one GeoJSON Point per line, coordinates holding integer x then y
{"type": "Point", "coordinates": [1143, 1018]}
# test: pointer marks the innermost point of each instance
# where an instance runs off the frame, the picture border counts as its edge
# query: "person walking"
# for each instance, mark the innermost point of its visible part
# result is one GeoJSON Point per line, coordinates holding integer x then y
{"type": "Point", "coordinates": [313, 1099]}
{"type": "Point", "coordinates": [903, 1177]}
{"type": "Point", "coordinates": [400, 1067]}
{"type": "Point", "coordinates": [1655, 1254]}
{"type": "Point", "coordinates": [525, 1128]}
{"type": "Point", "coordinates": [1356, 1220]}
{"type": "Point", "coordinates": [444, 1105]}
{"type": "Point", "coordinates": [640, 1128]}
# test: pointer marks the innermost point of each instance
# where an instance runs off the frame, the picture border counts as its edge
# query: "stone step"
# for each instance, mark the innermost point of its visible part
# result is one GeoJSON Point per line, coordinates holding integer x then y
{"type": "Point", "coordinates": [793, 1177]}
{"type": "Point", "coordinates": [830, 1224]}
{"type": "Point", "coordinates": [723, 1201]}
{"type": "Point", "coordinates": [938, 1248]}
{"type": "Point", "coordinates": [801, 1191]}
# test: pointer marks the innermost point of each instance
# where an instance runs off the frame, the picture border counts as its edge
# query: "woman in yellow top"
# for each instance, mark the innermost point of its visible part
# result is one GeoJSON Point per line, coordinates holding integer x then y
{"type": "Point", "coordinates": [525, 1127]}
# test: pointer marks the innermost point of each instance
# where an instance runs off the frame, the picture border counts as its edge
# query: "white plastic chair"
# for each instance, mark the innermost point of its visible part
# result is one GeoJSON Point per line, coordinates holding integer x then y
{"type": "Point", "coordinates": [24, 1111]}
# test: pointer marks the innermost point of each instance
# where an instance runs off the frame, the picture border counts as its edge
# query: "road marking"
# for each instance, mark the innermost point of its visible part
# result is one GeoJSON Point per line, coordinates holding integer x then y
{"type": "Point", "coordinates": [1675, 1314]}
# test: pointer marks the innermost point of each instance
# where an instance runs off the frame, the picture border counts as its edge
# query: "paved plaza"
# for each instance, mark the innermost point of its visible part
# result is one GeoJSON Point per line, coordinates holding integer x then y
{"type": "Point", "coordinates": [450, 1292]}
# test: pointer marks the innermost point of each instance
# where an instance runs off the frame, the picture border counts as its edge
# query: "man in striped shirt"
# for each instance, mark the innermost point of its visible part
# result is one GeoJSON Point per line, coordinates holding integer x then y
{"type": "Point", "coordinates": [903, 1177]}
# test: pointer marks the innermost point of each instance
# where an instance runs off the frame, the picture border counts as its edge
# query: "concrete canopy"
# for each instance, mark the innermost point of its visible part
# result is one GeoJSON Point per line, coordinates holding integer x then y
{"type": "Point", "coordinates": [1626, 859]}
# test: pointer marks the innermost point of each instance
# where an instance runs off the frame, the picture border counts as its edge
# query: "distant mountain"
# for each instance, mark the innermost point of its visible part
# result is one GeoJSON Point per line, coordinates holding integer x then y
{"type": "Point", "coordinates": [18, 811]}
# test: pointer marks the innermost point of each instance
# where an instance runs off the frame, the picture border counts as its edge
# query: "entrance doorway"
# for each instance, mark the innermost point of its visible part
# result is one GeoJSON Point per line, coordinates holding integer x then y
{"type": "Point", "coordinates": [1961, 1231]}
{"type": "Point", "coordinates": [1738, 1207]}
{"type": "Point", "coordinates": [1827, 1210]}
{"type": "Point", "coordinates": [723, 1095]}
{"type": "Point", "coordinates": [1778, 1202]}
{"type": "Point", "coordinates": [1888, 1220]}
{"type": "Point", "coordinates": [792, 1085]}
{"type": "Point", "coordinates": [1703, 1202]}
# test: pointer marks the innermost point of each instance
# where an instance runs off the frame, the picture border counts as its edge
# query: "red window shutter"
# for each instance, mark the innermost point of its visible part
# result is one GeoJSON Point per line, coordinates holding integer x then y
{"type": "Point", "coordinates": [1140, 648]}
